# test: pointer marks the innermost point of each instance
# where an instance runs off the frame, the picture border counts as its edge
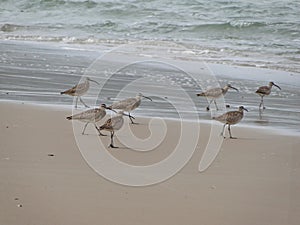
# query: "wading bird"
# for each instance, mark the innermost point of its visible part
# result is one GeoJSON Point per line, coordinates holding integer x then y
{"type": "Point", "coordinates": [215, 93]}
{"type": "Point", "coordinates": [231, 118]}
{"type": "Point", "coordinates": [265, 90]}
{"type": "Point", "coordinates": [79, 90]}
{"type": "Point", "coordinates": [113, 124]}
{"type": "Point", "coordinates": [90, 116]}
{"type": "Point", "coordinates": [129, 104]}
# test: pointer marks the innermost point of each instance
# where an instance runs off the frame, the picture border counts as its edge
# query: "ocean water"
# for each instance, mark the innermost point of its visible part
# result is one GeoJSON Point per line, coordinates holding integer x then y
{"type": "Point", "coordinates": [262, 33]}
{"type": "Point", "coordinates": [46, 46]}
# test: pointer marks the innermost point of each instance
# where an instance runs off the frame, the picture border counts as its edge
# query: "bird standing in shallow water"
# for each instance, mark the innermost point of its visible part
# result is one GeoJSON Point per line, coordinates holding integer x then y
{"type": "Point", "coordinates": [129, 104]}
{"type": "Point", "coordinates": [79, 90]}
{"type": "Point", "coordinates": [215, 93]}
{"type": "Point", "coordinates": [113, 124]}
{"type": "Point", "coordinates": [90, 116]}
{"type": "Point", "coordinates": [265, 90]}
{"type": "Point", "coordinates": [231, 118]}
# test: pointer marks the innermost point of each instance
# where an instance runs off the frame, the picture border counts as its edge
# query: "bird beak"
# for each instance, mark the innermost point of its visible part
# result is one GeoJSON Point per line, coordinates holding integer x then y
{"type": "Point", "coordinates": [94, 81]}
{"type": "Point", "coordinates": [246, 109]}
{"type": "Point", "coordinates": [111, 109]}
{"type": "Point", "coordinates": [124, 114]}
{"type": "Point", "coordinates": [235, 88]}
{"type": "Point", "coordinates": [147, 98]}
{"type": "Point", "coordinates": [277, 86]}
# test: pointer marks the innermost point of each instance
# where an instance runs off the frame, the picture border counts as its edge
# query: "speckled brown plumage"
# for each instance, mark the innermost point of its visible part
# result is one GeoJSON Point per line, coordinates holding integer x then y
{"type": "Point", "coordinates": [231, 118]}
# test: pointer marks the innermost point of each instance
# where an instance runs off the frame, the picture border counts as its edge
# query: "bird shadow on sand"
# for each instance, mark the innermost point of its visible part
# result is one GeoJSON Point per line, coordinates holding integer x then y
{"type": "Point", "coordinates": [245, 139]}
{"type": "Point", "coordinates": [236, 138]}
{"type": "Point", "coordinates": [118, 148]}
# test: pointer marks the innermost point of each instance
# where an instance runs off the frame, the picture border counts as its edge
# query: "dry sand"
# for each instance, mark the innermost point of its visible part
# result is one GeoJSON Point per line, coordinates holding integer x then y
{"type": "Point", "coordinates": [254, 180]}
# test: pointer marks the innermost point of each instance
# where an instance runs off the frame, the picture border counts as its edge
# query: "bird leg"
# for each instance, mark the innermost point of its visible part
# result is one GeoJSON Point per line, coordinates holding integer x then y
{"type": "Point", "coordinates": [84, 128]}
{"type": "Point", "coordinates": [222, 133]}
{"type": "Point", "coordinates": [83, 102]}
{"type": "Point", "coordinates": [112, 140]}
{"type": "Point", "coordinates": [207, 108]}
{"type": "Point", "coordinates": [76, 102]}
{"type": "Point", "coordinates": [262, 103]}
{"type": "Point", "coordinates": [230, 132]}
{"type": "Point", "coordinates": [100, 134]}
{"type": "Point", "coordinates": [131, 117]}
{"type": "Point", "coordinates": [216, 104]}
{"type": "Point", "coordinates": [260, 113]}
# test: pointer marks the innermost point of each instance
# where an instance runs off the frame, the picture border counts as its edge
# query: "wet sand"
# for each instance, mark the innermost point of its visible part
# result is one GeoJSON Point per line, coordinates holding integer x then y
{"type": "Point", "coordinates": [254, 180]}
{"type": "Point", "coordinates": [37, 72]}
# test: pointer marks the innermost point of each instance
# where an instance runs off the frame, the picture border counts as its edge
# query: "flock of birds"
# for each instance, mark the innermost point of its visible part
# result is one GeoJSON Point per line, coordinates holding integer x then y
{"type": "Point", "coordinates": [95, 115]}
{"type": "Point", "coordinates": [128, 105]}
{"type": "Point", "coordinates": [234, 117]}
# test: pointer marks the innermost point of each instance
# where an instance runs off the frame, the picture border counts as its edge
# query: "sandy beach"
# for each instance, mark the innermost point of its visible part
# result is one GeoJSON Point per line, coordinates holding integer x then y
{"type": "Point", "coordinates": [254, 180]}
{"type": "Point", "coordinates": [173, 167]}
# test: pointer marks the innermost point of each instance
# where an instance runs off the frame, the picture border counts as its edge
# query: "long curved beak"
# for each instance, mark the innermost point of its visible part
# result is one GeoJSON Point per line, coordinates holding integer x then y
{"type": "Point", "coordinates": [94, 81]}
{"type": "Point", "coordinates": [130, 116]}
{"type": "Point", "coordinates": [109, 108]}
{"type": "Point", "coordinates": [277, 86]}
{"type": "Point", "coordinates": [148, 98]}
{"type": "Point", "coordinates": [235, 89]}
{"type": "Point", "coordinates": [246, 109]}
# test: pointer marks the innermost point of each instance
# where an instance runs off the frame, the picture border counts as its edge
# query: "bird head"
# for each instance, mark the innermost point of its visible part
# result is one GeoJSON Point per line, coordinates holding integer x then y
{"type": "Point", "coordinates": [273, 84]}
{"type": "Point", "coordinates": [140, 95]}
{"type": "Point", "coordinates": [241, 108]}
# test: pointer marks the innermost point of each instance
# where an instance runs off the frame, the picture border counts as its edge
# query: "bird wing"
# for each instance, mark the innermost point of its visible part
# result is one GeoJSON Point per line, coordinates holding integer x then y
{"type": "Point", "coordinates": [114, 123]}
{"type": "Point", "coordinates": [233, 117]}
{"type": "Point", "coordinates": [262, 90]}
{"type": "Point", "coordinates": [107, 124]}
{"type": "Point", "coordinates": [86, 115]}
{"type": "Point", "coordinates": [77, 89]}
{"type": "Point", "coordinates": [81, 87]}
{"type": "Point", "coordinates": [229, 117]}
{"type": "Point", "coordinates": [117, 122]}
{"type": "Point", "coordinates": [124, 104]}
{"type": "Point", "coordinates": [213, 92]}
{"type": "Point", "coordinates": [221, 118]}
{"type": "Point", "coordinates": [70, 91]}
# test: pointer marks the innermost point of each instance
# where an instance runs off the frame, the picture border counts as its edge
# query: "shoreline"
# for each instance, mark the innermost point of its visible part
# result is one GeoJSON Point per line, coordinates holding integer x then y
{"type": "Point", "coordinates": [65, 108]}
{"type": "Point", "coordinates": [38, 72]}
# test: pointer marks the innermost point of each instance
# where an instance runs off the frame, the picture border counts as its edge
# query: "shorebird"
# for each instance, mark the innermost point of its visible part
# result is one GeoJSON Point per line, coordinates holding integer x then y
{"type": "Point", "coordinates": [231, 118]}
{"type": "Point", "coordinates": [215, 93]}
{"type": "Point", "coordinates": [79, 90]}
{"type": "Point", "coordinates": [113, 124]}
{"type": "Point", "coordinates": [129, 104]}
{"type": "Point", "coordinates": [90, 116]}
{"type": "Point", "coordinates": [265, 90]}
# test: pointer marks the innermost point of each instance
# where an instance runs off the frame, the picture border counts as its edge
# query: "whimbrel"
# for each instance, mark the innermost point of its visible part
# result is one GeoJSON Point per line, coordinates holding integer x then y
{"type": "Point", "coordinates": [113, 124]}
{"type": "Point", "coordinates": [79, 90]}
{"type": "Point", "coordinates": [129, 104]}
{"type": "Point", "coordinates": [215, 93]}
{"type": "Point", "coordinates": [231, 118]}
{"type": "Point", "coordinates": [265, 90]}
{"type": "Point", "coordinates": [90, 116]}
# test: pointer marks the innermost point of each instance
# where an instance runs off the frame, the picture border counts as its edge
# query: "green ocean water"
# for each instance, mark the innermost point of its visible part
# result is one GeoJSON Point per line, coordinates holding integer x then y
{"type": "Point", "coordinates": [242, 32]}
